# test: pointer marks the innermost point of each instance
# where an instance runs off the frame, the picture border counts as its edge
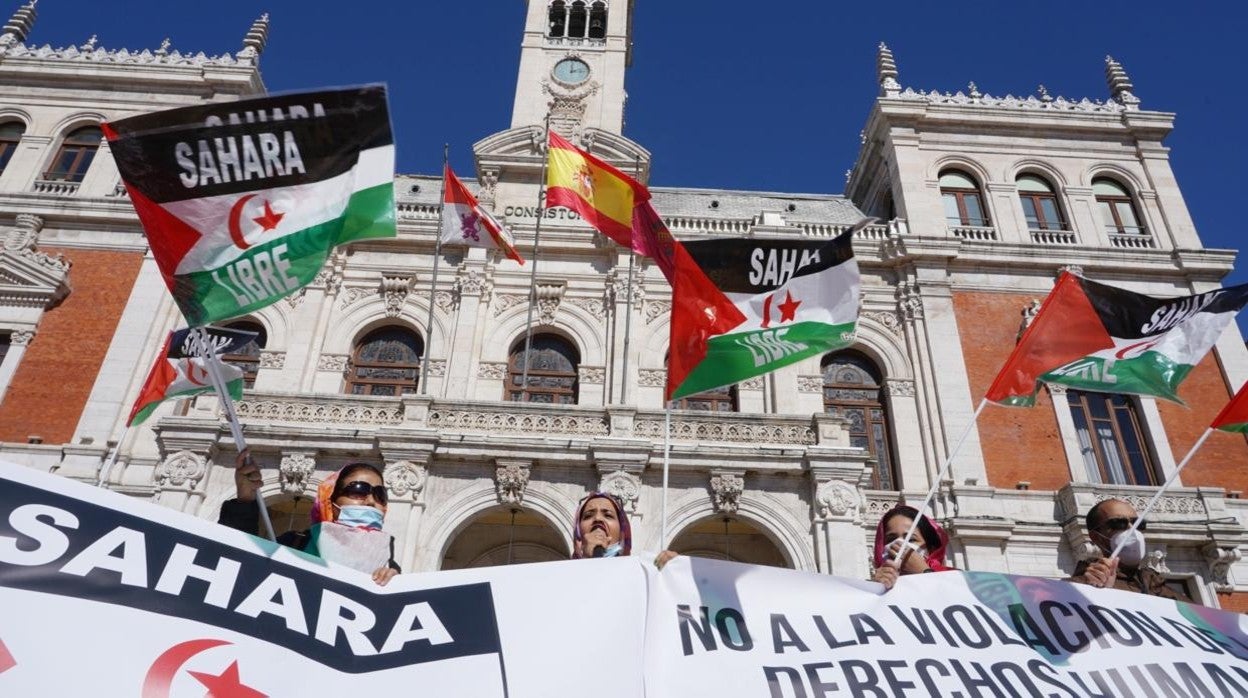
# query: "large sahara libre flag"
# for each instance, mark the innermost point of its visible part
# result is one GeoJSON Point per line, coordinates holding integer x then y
{"type": "Point", "coordinates": [178, 372]}
{"type": "Point", "coordinates": [601, 194]}
{"type": "Point", "coordinates": [243, 201]}
{"type": "Point", "coordinates": [1234, 417]}
{"type": "Point", "coordinates": [465, 222]}
{"type": "Point", "coordinates": [1100, 338]}
{"type": "Point", "coordinates": [742, 308]}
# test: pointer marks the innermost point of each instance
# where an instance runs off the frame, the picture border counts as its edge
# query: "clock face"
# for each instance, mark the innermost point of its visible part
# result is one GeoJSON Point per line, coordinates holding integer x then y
{"type": "Point", "coordinates": [571, 71]}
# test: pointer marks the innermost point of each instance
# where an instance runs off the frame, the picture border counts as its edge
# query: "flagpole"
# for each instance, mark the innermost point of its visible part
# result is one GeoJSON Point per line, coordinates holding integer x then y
{"type": "Point", "coordinates": [537, 234]}
{"type": "Point", "coordinates": [944, 470]}
{"type": "Point", "coordinates": [667, 450]}
{"type": "Point", "coordinates": [236, 429]}
{"type": "Point", "coordinates": [433, 284]}
{"type": "Point", "coordinates": [628, 317]}
{"type": "Point", "coordinates": [107, 468]}
{"type": "Point", "coordinates": [1140, 516]}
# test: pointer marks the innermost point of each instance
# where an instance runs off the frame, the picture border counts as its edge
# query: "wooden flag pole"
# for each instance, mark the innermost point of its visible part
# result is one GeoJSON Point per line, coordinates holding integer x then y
{"type": "Point", "coordinates": [944, 471]}
{"type": "Point", "coordinates": [227, 403]}
{"type": "Point", "coordinates": [537, 234]}
{"type": "Point", "coordinates": [1139, 517]}
{"type": "Point", "coordinates": [433, 283]}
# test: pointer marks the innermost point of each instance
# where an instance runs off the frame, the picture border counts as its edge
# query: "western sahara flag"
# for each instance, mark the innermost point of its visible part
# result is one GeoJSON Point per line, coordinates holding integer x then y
{"type": "Point", "coordinates": [742, 308]}
{"type": "Point", "coordinates": [243, 201]}
{"type": "Point", "coordinates": [1095, 337]}
{"type": "Point", "coordinates": [179, 373]}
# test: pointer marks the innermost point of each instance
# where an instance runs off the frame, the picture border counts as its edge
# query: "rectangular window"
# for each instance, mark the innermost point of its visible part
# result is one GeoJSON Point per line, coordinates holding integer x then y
{"type": "Point", "coordinates": [1111, 438]}
{"type": "Point", "coordinates": [952, 215]}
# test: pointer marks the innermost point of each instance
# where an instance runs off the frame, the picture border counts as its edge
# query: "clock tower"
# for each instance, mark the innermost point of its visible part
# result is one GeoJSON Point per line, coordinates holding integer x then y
{"type": "Point", "coordinates": [572, 63]}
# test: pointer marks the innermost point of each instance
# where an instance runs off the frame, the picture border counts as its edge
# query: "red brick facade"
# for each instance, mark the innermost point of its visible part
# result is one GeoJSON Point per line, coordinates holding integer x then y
{"type": "Point", "coordinates": [50, 389]}
{"type": "Point", "coordinates": [1223, 460]}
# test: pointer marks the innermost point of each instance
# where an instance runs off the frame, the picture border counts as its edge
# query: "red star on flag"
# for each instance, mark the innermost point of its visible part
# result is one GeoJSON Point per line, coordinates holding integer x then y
{"type": "Point", "coordinates": [270, 219]}
{"type": "Point", "coordinates": [6, 658]}
{"type": "Point", "coordinates": [788, 309]}
{"type": "Point", "coordinates": [227, 685]}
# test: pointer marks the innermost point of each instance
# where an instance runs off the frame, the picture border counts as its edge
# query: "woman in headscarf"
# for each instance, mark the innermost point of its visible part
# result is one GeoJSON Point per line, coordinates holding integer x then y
{"type": "Point", "coordinates": [347, 515]}
{"type": "Point", "coordinates": [926, 552]}
{"type": "Point", "coordinates": [601, 529]}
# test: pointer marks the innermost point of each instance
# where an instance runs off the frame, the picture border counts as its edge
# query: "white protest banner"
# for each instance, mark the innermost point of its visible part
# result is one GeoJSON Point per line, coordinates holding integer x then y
{"type": "Point", "coordinates": [724, 629]}
{"type": "Point", "coordinates": [105, 595]}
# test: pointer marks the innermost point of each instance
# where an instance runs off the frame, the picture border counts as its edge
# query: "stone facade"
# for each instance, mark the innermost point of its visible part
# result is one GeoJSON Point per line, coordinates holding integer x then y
{"type": "Point", "coordinates": [479, 480]}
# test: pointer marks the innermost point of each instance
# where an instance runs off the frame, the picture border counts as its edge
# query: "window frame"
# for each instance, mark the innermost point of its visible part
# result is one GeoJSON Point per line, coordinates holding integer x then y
{"type": "Point", "coordinates": [515, 373]}
{"type": "Point", "coordinates": [248, 362]}
{"type": "Point", "coordinates": [1037, 198]}
{"type": "Point", "coordinates": [1085, 422]}
{"type": "Point", "coordinates": [864, 363]}
{"type": "Point", "coordinates": [402, 386]}
{"type": "Point", "coordinates": [708, 401]}
{"type": "Point", "coordinates": [1112, 201]}
{"type": "Point", "coordinates": [960, 194]}
{"type": "Point", "coordinates": [83, 155]}
{"type": "Point", "coordinates": [9, 144]}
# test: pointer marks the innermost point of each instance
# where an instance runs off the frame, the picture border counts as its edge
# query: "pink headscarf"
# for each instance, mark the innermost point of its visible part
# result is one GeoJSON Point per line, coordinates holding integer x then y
{"type": "Point", "coordinates": [626, 531]}
{"type": "Point", "coordinates": [933, 535]}
{"type": "Point", "coordinates": [323, 506]}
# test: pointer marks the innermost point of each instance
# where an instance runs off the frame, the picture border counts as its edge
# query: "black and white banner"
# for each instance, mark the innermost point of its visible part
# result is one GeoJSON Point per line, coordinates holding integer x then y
{"type": "Point", "coordinates": [102, 594]}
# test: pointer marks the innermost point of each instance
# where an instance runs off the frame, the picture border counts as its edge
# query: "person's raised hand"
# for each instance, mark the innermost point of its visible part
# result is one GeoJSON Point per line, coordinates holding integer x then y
{"type": "Point", "coordinates": [597, 537]}
{"type": "Point", "coordinates": [885, 574]}
{"type": "Point", "coordinates": [1102, 573]}
{"type": "Point", "coordinates": [247, 477]}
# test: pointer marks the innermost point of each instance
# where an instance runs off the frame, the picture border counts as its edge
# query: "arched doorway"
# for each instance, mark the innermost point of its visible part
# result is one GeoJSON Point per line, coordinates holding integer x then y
{"type": "Point", "coordinates": [729, 538]}
{"type": "Point", "coordinates": [502, 536]}
{"type": "Point", "coordinates": [290, 513]}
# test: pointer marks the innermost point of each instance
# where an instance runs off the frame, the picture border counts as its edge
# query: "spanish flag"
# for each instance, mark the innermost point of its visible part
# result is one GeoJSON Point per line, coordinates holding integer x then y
{"type": "Point", "coordinates": [601, 194]}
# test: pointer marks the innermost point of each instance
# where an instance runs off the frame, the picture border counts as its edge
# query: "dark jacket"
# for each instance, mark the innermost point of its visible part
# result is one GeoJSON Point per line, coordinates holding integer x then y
{"type": "Point", "coordinates": [1140, 581]}
{"type": "Point", "coordinates": [245, 517]}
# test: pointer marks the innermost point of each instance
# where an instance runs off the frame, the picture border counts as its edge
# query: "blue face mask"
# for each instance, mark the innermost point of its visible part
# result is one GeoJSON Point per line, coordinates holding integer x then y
{"type": "Point", "coordinates": [613, 550]}
{"type": "Point", "coordinates": [360, 516]}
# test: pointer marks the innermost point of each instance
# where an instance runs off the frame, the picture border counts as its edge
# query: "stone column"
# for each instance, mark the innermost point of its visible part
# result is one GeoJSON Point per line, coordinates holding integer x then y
{"type": "Point", "coordinates": [408, 454]}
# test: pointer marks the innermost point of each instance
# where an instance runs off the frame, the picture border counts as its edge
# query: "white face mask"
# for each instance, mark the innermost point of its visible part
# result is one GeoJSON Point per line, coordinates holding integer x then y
{"type": "Point", "coordinates": [1133, 551]}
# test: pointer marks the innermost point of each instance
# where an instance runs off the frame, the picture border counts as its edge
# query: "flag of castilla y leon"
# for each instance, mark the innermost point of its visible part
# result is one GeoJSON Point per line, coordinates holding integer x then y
{"type": "Point", "coordinates": [466, 222]}
{"type": "Point", "coordinates": [1100, 338]}
{"type": "Point", "coordinates": [742, 308]}
{"type": "Point", "coordinates": [243, 201]}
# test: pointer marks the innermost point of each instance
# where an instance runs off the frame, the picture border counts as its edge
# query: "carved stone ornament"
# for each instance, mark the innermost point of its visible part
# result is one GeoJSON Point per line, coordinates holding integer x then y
{"type": "Point", "coordinates": [887, 319]}
{"type": "Point", "coordinates": [652, 377]}
{"type": "Point", "coordinates": [726, 491]}
{"type": "Point", "coordinates": [837, 498]}
{"type": "Point", "coordinates": [810, 384]}
{"type": "Point", "coordinates": [406, 479]}
{"type": "Point", "coordinates": [909, 303]}
{"type": "Point", "coordinates": [354, 294]}
{"type": "Point", "coordinates": [1056, 389]}
{"type": "Point", "coordinates": [899, 387]}
{"type": "Point", "coordinates": [593, 306]}
{"type": "Point", "coordinates": [332, 362]}
{"type": "Point", "coordinates": [1029, 312]}
{"type": "Point", "coordinates": [437, 368]}
{"type": "Point", "coordinates": [591, 374]}
{"type": "Point", "coordinates": [489, 183]}
{"type": "Point", "coordinates": [444, 300]}
{"type": "Point", "coordinates": [511, 479]}
{"type": "Point", "coordinates": [295, 469]}
{"type": "Point", "coordinates": [548, 298]}
{"type": "Point", "coordinates": [492, 370]}
{"type": "Point", "coordinates": [1072, 268]}
{"type": "Point", "coordinates": [272, 359]}
{"type": "Point", "coordinates": [1165, 505]}
{"type": "Point", "coordinates": [657, 309]}
{"type": "Point", "coordinates": [625, 486]}
{"type": "Point", "coordinates": [25, 235]}
{"type": "Point", "coordinates": [471, 282]}
{"type": "Point", "coordinates": [182, 469]}
{"type": "Point", "coordinates": [1156, 561]}
{"type": "Point", "coordinates": [21, 337]}
{"type": "Point", "coordinates": [755, 383]}
{"type": "Point", "coordinates": [1220, 561]}
{"type": "Point", "coordinates": [506, 301]}
{"type": "Point", "coordinates": [394, 291]}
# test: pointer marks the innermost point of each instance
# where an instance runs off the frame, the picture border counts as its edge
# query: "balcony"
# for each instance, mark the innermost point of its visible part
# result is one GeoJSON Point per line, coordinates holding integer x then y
{"type": "Point", "coordinates": [1135, 241]}
{"type": "Point", "coordinates": [1053, 237]}
{"type": "Point", "coordinates": [973, 233]}
{"type": "Point", "coordinates": [55, 187]}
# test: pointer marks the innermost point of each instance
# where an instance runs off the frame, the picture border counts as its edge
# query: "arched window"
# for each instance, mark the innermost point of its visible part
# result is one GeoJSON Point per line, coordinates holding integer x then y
{"type": "Point", "coordinates": [964, 206]}
{"type": "Point", "coordinates": [1118, 213]}
{"type": "Point", "coordinates": [75, 155]}
{"type": "Point", "coordinates": [598, 20]}
{"type": "Point", "coordinates": [10, 135]}
{"type": "Point", "coordinates": [386, 362]}
{"type": "Point", "coordinates": [552, 362]}
{"type": "Point", "coordinates": [1039, 204]}
{"type": "Point", "coordinates": [1111, 438]}
{"type": "Point", "coordinates": [558, 18]}
{"type": "Point", "coordinates": [577, 19]}
{"type": "Point", "coordinates": [248, 357]}
{"type": "Point", "coordinates": [852, 388]}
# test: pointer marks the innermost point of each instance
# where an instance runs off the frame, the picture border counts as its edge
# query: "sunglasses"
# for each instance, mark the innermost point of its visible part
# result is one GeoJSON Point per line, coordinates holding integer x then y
{"type": "Point", "coordinates": [360, 489]}
{"type": "Point", "coordinates": [1122, 523]}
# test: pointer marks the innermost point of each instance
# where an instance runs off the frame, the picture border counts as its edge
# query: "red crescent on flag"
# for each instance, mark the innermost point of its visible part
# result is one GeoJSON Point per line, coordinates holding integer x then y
{"type": "Point", "coordinates": [236, 212]}
{"type": "Point", "coordinates": [767, 312]}
{"type": "Point", "coordinates": [191, 366]}
{"type": "Point", "coordinates": [1141, 346]}
{"type": "Point", "coordinates": [159, 677]}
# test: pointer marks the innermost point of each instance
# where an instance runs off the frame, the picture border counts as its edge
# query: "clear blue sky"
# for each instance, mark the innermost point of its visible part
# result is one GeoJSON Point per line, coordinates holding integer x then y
{"type": "Point", "coordinates": [749, 95]}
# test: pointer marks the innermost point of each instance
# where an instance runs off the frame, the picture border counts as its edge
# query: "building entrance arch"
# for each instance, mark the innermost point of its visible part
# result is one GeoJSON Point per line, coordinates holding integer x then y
{"type": "Point", "coordinates": [729, 538]}
{"type": "Point", "coordinates": [504, 535]}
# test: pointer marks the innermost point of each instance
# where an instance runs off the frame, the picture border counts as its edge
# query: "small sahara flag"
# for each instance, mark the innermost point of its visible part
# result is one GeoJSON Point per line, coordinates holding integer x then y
{"type": "Point", "coordinates": [465, 222]}
{"type": "Point", "coordinates": [243, 201]}
{"type": "Point", "coordinates": [1100, 338]}
{"type": "Point", "coordinates": [1234, 417]}
{"type": "Point", "coordinates": [742, 308]}
{"type": "Point", "coordinates": [176, 375]}
{"type": "Point", "coordinates": [601, 194]}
